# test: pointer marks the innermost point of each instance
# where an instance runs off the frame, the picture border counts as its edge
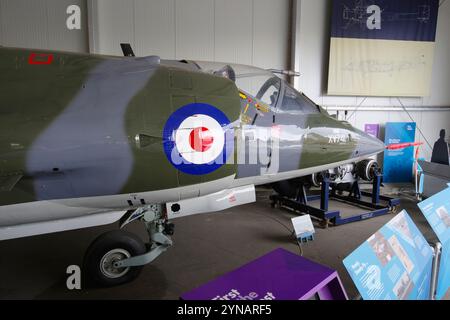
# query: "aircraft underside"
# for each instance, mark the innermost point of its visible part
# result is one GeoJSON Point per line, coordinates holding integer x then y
{"type": "Point", "coordinates": [40, 217]}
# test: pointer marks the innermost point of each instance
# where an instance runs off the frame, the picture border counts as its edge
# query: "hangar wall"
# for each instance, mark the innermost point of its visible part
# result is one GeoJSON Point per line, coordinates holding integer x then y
{"type": "Point", "coordinates": [311, 45]}
{"type": "Point", "coordinates": [241, 31]}
{"type": "Point", "coordinates": [41, 24]}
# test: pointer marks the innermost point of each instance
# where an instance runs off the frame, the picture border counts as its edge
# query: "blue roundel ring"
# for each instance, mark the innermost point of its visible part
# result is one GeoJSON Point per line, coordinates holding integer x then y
{"type": "Point", "coordinates": [173, 124]}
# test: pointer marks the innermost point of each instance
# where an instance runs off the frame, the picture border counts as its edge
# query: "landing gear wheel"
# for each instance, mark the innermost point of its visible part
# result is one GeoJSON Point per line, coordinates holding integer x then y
{"type": "Point", "coordinates": [108, 248]}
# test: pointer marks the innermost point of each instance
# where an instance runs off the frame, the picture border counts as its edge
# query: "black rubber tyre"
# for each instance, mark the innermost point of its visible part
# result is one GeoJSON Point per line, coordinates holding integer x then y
{"type": "Point", "coordinates": [365, 169]}
{"type": "Point", "coordinates": [290, 188]}
{"type": "Point", "coordinates": [287, 188]}
{"type": "Point", "coordinates": [111, 246]}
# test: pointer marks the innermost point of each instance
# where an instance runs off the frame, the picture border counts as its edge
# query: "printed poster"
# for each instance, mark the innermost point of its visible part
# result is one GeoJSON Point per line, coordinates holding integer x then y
{"type": "Point", "coordinates": [393, 264]}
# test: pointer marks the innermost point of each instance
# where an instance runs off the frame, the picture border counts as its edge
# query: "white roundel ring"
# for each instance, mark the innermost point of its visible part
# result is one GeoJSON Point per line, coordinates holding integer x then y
{"type": "Point", "coordinates": [200, 139]}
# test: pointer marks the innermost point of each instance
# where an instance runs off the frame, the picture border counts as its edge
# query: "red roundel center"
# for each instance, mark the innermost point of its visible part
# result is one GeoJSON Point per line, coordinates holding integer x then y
{"type": "Point", "coordinates": [201, 139]}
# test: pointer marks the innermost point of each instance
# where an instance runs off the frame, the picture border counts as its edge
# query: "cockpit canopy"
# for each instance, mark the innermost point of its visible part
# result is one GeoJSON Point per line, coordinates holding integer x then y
{"type": "Point", "coordinates": [264, 86]}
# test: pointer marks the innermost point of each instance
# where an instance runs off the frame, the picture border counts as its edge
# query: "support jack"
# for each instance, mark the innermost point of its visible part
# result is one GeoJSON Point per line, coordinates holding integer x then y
{"type": "Point", "coordinates": [355, 196]}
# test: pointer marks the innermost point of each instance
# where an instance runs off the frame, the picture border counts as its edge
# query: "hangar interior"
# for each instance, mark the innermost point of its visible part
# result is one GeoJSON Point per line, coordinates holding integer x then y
{"type": "Point", "coordinates": [282, 34]}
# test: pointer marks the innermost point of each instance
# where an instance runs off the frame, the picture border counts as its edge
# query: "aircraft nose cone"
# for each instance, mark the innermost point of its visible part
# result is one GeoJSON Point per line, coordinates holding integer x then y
{"type": "Point", "coordinates": [369, 145]}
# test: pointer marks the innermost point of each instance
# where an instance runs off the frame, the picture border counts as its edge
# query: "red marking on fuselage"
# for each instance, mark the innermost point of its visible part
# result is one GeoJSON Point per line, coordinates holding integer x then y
{"type": "Point", "coordinates": [201, 139]}
{"type": "Point", "coordinates": [40, 59]}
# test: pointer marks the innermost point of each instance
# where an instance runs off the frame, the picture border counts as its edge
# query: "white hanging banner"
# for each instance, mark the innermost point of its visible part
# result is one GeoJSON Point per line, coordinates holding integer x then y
{"type": "Point", "coordinates": [382, 47]}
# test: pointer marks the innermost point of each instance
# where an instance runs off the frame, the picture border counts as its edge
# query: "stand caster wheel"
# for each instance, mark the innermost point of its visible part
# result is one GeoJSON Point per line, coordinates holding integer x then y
{"type": "Point", "coordinates": [394, 209]}
{"type": "Point", "coordinates": [275, 205]}
{"type": "Point", "coordinates": [325, 223]}
{"type": "Point", "coordinates": [107, 249]}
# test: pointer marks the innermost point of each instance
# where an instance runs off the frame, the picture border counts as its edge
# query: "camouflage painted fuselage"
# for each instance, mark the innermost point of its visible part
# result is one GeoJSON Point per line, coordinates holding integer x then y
{"type": "Point", "coordinates": [70, 127]}
{"type": "Point", "coordinates": [70, 123]}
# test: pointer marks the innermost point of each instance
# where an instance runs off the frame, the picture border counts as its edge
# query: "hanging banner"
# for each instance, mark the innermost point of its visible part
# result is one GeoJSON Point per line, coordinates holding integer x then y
{"type": "Point", "coordinates": [398, 164]}
{"type": "Point", "coordinates": [382, 47]}
{"type": "Point", "coordinates": [393, 264]}
{"type": "Point", "coordinates": [436, 210]}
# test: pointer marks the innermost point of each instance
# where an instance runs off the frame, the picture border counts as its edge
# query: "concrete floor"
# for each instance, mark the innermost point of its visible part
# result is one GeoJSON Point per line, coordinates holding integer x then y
{"type": "Point", "coordinates": [206, 246]}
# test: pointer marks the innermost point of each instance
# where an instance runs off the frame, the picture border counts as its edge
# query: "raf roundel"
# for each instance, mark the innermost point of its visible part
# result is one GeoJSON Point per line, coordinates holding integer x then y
{"type": "Point", "coordinates": [198, 138]}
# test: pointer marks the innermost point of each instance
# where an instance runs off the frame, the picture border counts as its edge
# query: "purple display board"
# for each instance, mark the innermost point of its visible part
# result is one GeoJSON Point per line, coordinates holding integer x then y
{"type": "Point", "coordinates": [372, 129]}
{"type": "Point", "coordinates": [279, 275]}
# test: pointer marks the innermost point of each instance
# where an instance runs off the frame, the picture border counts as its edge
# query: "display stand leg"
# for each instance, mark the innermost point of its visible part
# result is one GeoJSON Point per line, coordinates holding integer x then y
{"type": "Point", "coordinates": [434, 271]}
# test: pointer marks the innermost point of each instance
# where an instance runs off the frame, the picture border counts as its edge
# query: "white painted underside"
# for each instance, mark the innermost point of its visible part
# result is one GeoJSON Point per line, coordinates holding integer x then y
{"type": "Point", "coordinates": [41, 211]}
{"type": "Point", "coordinates": [41, 217]}
{"type": "Point", "coordinates": [33, 229]}
{"type": "Point", "coordinates": [271, 178]}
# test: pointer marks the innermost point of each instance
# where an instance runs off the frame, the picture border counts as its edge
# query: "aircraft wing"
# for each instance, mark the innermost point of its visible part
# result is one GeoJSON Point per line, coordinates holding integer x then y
{"type": "Point", "coordinates": [59, 225]}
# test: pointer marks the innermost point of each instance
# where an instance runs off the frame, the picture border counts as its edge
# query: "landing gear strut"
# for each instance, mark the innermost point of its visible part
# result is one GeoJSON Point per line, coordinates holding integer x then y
{"type": "Point", "coordinates": [117, 257]}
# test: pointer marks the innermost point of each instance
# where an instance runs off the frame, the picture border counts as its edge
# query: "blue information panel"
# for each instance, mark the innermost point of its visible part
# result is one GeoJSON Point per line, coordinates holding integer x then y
{"type": "Point", "coordinates": [398, 164]}
{"type": "Point", "coordinates": [436, 210]}
{"type": "Point", "coordinates": [393, 264]}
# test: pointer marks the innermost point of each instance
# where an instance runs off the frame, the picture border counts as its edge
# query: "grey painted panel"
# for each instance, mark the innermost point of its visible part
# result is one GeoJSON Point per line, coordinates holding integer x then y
{"type": "Point", "coordinates": [234, 31]}
{"type": "Point", "coordinates": [114, 24]}
{"type": "Point", "coordinates": [440, 95]}
{"type": "Point", "coordinates": [41, 25]}
{"type": "Point", "coordinates": [155, 28]}
{"type": "Point", "coordinates": [24, 23]}
{"type": "Point", "coordinates": [1, 24]}
{"type": "Point", "coordinates": [271, 35]}
{"type": "Point", "coordinates": [98, 153]}
{"type": "Point", "coordinates": [194, 29]}
{"type": "Point", "coordinates": [246, 31]}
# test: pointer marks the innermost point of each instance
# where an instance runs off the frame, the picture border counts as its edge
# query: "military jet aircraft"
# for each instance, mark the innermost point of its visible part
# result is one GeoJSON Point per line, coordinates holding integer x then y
{"type": "Point", "coordinates": [89, 140]}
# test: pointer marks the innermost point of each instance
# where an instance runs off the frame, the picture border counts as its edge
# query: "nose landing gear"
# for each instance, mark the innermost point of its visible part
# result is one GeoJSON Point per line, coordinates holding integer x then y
{"type": "Point", "coordinates": [117, 257]}
{"type": "Point", "coordinates": [107, 249]}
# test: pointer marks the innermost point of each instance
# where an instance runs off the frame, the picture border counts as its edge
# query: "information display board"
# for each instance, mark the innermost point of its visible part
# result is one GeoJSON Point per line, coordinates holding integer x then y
{"type": "Point", "coordinates": [393, 264]}
{"type": "Point", "coordinates": [436, 210]}
{"type": "Point", "coordinates": [398, 164]}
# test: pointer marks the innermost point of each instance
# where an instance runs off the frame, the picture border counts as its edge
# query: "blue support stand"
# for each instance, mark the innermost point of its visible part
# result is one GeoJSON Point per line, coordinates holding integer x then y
{"type": "Point", "coordinates": [355, 196]}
